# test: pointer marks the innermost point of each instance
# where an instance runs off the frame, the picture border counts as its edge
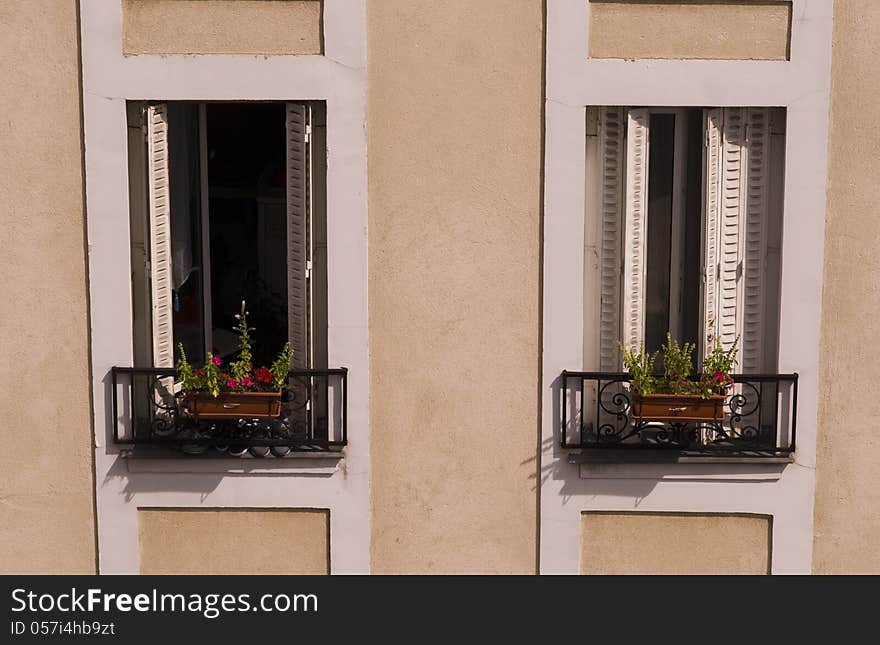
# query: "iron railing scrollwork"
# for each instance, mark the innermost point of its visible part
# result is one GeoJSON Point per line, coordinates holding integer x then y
{"type": "Point", "coordinates": [147, 410]}
{"type": "Point", "coordinates": [760, 418]}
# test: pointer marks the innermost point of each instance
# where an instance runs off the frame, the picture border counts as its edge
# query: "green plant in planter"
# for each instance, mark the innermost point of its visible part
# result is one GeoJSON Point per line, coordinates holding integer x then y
{"type": "Point", "coordinates": [677, 376]}
{"type": "Point", "coordinates": [677, 366]}
{"type": "Point", "coordinates": [239, 376]}
{"type": "Point", "coordinates": [717, 368]}
{"type": "Point", "coordinates": [640, 366]}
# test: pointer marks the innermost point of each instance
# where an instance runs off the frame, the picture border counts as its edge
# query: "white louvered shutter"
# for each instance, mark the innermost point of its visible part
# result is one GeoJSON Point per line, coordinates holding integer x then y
{"type": "Point", "coordinates": [297, 233]}
{"type": "Point", "coordinates": [160, 235]}
{"type": "Point", "coordinates": [714, 129]}
{"type": "Point", "coordinates": [635, 228]}
{"type": "Point", "coordinates": [755, 240]}
{"type": "Point", "coordinates": [733, 184]}
{"type": "Point", "coordinates": [736, 212]}
{"type": "Point", "coordinates": [612, 160]}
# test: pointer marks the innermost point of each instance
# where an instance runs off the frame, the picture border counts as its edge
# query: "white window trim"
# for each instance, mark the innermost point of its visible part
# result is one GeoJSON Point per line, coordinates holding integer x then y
{"type": "Point", "coordinates": [802, 86]}
{"type": "Point", "coordinates": [337, 77]}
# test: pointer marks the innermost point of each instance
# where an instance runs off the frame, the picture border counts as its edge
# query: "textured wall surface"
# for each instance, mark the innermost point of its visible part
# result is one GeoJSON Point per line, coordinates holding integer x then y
{"type": "Point", "coordinates": [234, 541]}
{"type": "Point", "coordinates": [221, 26]}
{"type": "Point", "coordinates": [46, 490]}
{"type": "Point", "coordinates": [454, 165]}
{"type": "Point", "coordinates": [668, 543]}
{"type": "Point", "coordinates": [847, 512]}
{"type": "Point", "coordinates": [690, 29]}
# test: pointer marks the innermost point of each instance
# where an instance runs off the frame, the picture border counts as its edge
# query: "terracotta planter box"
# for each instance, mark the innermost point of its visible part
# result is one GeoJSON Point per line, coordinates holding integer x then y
{"type": "Point", "coordinates": [234, 405]}
{"type": "Point", "coordinates": [677, 407]}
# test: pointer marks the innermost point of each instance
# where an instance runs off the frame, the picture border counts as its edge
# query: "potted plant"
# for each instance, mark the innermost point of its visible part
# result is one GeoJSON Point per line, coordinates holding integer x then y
{"type": "Point", "coordinates": [676, 395]}
{"type": "Point", "coordinates": [235, 391]}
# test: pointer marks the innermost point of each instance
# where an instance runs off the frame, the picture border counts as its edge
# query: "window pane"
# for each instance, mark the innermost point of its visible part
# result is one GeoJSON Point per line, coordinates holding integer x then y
{"type": "Point", "coordinates": [659, 229]}
{"type": "Point", "coordinates": [186, 257]}
{"type": "Point", "coordinates": [247, 190]}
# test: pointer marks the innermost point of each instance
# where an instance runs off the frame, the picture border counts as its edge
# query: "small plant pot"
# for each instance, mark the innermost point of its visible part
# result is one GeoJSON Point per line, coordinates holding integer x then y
{"type": "Point", "coordinates": [677, 407]}
{"type": "Point", "coordinates": [233, 405]}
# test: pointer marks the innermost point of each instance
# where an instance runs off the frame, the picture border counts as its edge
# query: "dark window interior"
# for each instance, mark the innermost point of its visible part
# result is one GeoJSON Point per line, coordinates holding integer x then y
{"type": "Point", "coordinates": [692, 260]}
{"type": "Point", "coordinates": [247, 222]}
{"type": "Point", "coordinates": [247, 188]}
{"type": "Point", "coordinates": [659, 229]}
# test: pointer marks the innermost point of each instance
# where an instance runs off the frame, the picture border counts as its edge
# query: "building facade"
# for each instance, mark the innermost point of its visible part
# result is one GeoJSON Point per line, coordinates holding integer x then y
{"type": "Point", "coordinates": [455, 213]}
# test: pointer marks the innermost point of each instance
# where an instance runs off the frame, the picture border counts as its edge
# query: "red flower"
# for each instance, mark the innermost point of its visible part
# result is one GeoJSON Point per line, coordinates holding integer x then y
{"type": "Point", "coordinates": [263, 375]}
{"type": "Point", "coordinates": [199, 372]}
{"type": "Point", "coordinates": [217, 360]}
{"type": "Point", "coordinates": [720, 377]}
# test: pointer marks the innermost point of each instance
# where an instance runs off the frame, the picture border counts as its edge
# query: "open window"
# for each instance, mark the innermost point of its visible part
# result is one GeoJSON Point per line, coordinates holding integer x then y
{"type": "Point", "coordinates": [683, 231]}
{"type": "Point", "coordinates": [228, 205]}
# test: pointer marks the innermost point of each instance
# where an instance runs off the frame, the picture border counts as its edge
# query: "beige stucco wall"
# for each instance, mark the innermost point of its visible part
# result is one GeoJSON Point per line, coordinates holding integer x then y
{"type": "Point", "coordinates": [669, 543]}
{"type": "Point", "coordinates": [46, 490]}
{"type": "Point", "coordinates": [221, 27]}
{"type": "Point", "coordinates": [234, 541]}
{"type": "Point", "coordinates": [736, 30]}
{"type": "Point", "coordinates": [847, 513]}
{"type": "Point", "coordinates": [454, 169]}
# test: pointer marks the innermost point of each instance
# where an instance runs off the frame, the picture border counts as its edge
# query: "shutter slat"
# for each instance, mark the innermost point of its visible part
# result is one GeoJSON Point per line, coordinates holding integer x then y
{"type": "Point", "coordinates": [297, 233]}
{"type": "Point", "coordinates": [160, 236]}
{"type": "Point", "coordinates": [635, 236]}
{"type": "Point", "coordinates": [611, 152]}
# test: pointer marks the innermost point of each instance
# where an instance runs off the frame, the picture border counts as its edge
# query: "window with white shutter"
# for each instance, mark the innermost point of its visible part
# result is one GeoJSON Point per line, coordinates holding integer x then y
{"type": "Point", "coordinates": [635, 228]}
{"type": "Point", "coordinates": [686, 209]}
{"type": "Point", "coordinates": [159, 200]}
{"type": "Point", "coordinates": [737, 266]}
{"type": "Point", "coordinates": [228, 215]}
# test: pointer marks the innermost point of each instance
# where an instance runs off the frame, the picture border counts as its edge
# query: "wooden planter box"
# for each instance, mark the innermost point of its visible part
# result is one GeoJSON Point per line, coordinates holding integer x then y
{"type": "Point", "coordinates": [677, 407]}
{"type": "Point", "coordinates": [233, 405]}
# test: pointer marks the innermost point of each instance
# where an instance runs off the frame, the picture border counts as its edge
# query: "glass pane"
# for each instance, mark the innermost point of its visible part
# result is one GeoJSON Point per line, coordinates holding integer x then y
{"type": "Point", "coordinates": [659, 229]}
{"type": "Point", "coordinates": [186, 239]}
{"type": "Point", "coordinates": [247, 197]}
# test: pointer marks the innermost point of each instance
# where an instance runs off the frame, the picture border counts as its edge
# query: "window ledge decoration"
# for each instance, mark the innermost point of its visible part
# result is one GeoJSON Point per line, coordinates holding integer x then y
{"type": "Point", "coordinates": [601, 411]}
{"type": "Point", "coordinates": [232, 408]}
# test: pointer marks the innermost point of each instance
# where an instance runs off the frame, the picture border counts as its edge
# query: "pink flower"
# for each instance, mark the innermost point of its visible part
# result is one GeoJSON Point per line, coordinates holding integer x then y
{"type": "Point", "coordinates": [247, 381]}
{"type": "Point", "coordinates": [217, 360]}
{"type": "Point", "coordinates": [232, 384]}
{"type": "Point", "coordinates": [719, 376]}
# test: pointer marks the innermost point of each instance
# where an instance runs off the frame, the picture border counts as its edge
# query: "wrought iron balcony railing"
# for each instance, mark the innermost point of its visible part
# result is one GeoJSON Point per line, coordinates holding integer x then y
{"type": "Point", "coordinates": [148, 410]}
{"type": "Point", "coordinates": [760, 419]}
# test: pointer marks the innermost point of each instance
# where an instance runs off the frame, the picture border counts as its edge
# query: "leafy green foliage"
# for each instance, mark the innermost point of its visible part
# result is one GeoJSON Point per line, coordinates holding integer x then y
{"type": "Point", "coordinates": [718, 366]}
{"type": "Point", "coordinates": [677, 365]}
{"type": "Point", "coordinates": [280, 367]}
{"type": "Point", "coordinates": [241, 376]}
{"type": "Point", "coordinates": [677, 377]}
{"type": "Point", "coordinates": [640, 365]}
{"type": "Point", "coordinates": [240, 369]}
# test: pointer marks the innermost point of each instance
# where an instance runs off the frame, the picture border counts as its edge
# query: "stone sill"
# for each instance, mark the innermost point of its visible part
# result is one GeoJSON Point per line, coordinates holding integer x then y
{"type": "Point", "coordinates": [302, 463]}
{"type": "Point", "coordinates": [679, 468]}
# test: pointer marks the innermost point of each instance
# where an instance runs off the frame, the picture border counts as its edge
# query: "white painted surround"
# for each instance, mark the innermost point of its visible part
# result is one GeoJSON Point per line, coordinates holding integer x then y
{"type": "Point", "coordinates": [337, 77]}
{"type": "Point", "coordinates": [802, 85]}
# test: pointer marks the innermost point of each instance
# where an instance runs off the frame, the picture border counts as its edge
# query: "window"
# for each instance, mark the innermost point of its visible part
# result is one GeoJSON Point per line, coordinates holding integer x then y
{"type": "Point", "coordinates": [228, 205]}
{"type": "Point", "coordinates": [684, 211]}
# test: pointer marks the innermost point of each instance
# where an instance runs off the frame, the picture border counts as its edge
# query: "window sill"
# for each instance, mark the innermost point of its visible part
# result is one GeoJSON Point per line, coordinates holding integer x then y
{"type": "Point", "coordinates": [316, 463]}
{"type": "Point", "coordinates": [675, 467]}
